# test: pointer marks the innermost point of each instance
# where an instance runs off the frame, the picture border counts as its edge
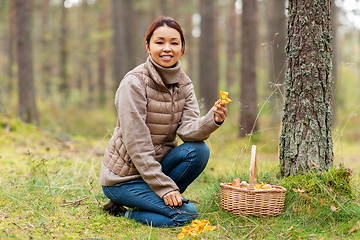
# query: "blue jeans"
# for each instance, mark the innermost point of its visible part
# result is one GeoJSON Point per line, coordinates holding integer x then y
{"type": "Point", "coordinates": [183, 164]}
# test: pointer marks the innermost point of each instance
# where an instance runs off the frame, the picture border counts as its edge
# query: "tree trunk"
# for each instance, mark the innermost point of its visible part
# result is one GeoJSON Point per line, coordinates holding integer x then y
{"type": "Point", "coordinates": [163, 7]}
{"type": "Point", "coordinates": [277, 39]}
{"type": "Point", "coordinates": [124, 58]}
{"type": "Point", "coordinates": [248, 95]}
{"type": "Point", "coordinates": [26, 89]}
{"type": "Point", "coordinates": [334, 26]}
{"type": "Point", "coordinates": [305, 141]}
{"type": "Point", "coordinates": [208, 68]}
{"type": "Point", "coordinates": [11, 40]}
{"type": "Point", "coordinates": [231, 45]}
{"type": "Point", "coordinates": [64, 87]}
{"type": "Point", "coordinates": [87, 76]}
{"type": "Point", "coordinates": [129, 23]}
{"type": "Point", "coordinates": [101, 56]}
{"type": "Point", "coordinates": [46, 55]}
{"type": "Point", "coordinates": [118, 43]}
{"type": "Point", "coordinates": [191, 49]}
{"type": "Point", "coordinates": [85, 53]}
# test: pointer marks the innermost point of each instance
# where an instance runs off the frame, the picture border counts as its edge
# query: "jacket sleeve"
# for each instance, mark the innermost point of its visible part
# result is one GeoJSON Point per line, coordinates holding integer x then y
{"type": "Point", "coordinates": [131, 104]}
{"type": "Point", "coordinates": [192, 127]}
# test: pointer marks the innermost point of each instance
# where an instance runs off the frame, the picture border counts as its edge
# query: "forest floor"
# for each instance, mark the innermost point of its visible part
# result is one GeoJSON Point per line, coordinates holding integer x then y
{"type": "Point", "coordinates": [49, 189]}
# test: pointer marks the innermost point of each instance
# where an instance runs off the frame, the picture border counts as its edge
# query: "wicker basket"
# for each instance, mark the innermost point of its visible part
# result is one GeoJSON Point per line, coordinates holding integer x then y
{"type": "Point", "coordinates": [257, 202]}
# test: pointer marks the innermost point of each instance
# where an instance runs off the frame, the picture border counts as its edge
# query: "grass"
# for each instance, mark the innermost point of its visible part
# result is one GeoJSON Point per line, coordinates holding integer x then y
{"type": "Point", "coordinates": [49, 185]}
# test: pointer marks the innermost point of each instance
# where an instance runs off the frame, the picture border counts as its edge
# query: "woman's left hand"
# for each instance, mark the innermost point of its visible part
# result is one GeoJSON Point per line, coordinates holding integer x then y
{"type": "Point", "coordinates": [220, 112]}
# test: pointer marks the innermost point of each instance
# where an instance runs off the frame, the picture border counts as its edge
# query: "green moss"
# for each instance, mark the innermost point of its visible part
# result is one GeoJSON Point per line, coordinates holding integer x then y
{"type": "Point", "coordinates": [334, 183]}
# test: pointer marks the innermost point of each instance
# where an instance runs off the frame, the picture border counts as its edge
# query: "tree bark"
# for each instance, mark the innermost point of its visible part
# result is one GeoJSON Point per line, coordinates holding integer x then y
{"type": "Point", "coordinates": [277, 39]}
{"type": "Point", "coordinates": [248, 95]}
{"type": "Point", "coordinates": [208, 75]}
{"type": "Point", "coordinates": [46, 55]}
{"type": "Point", "coordinates": [64, 86]}
{"type": "Point", "coordinates": [231, 45]}
{"type": "Point", "coordinates": [11, 41]}
{"type": "Point", "coordinates": [334, 26]}
{"type": "Point", "coordinates": [118, 71]}
{"type": "Point", "coordinates": [101, 55]}
{"type": "Point", "coordinates": [129, 23]}
{"type": "Point", "coordinates": [306, 141]}
{"type": "Point", "coordinates": [26, 90]}
{"type": "Point", "coordinates": [124, 58]}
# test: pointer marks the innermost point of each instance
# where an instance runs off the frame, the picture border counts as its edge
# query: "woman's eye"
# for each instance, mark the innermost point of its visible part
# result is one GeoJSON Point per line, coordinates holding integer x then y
{"type": "Point", "coordinates": [175, 43]}
{"type": "Point", "coordinates": [158, 42]}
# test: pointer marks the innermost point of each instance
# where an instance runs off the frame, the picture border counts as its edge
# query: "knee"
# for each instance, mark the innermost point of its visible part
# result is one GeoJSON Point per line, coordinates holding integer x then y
{"type": "Point", "coordinates": [202, 151]}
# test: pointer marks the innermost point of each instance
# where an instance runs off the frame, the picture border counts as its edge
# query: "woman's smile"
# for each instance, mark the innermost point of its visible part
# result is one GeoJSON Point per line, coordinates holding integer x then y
{"type": "Point", "coordinates": [166, 58]}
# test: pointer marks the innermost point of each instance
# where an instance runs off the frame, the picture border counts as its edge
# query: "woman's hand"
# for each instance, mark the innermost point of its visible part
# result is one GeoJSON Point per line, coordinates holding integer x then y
{"type": "Point", "coordinates": [173, 198]}
{"type": "Point", "coordinates": [220, 112]}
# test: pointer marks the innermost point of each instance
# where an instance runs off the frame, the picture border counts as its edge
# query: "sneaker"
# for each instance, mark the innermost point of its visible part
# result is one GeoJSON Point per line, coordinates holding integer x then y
{"type": "Point", "coordinates": [114, 209]}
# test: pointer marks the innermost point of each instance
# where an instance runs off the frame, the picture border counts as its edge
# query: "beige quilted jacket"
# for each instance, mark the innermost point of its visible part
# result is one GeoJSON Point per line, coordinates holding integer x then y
{"type": "Point", "coordinates": [154, 104]}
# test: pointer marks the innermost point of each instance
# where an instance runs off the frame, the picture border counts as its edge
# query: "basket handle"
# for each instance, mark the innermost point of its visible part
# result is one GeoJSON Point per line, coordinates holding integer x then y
{"type": "Point", "coordinates": [253, 167]}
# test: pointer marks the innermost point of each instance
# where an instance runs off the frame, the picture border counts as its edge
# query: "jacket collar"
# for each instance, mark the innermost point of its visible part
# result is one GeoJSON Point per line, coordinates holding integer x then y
{"type": "Point", "coordinates": [164, 75]}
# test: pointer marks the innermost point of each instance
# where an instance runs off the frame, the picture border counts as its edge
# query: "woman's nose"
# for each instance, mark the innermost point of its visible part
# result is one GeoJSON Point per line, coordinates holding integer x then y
{"type": "Point", "coordinates": [167, 47]}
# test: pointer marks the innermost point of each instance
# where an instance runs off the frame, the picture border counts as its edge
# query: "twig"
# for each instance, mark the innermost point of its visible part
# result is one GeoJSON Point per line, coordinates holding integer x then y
{"type": "Point", "coordinates": [228, 235]}
{"type": "Point", "coordinates": [250, 232]}
{"type": "Point", "coordinates": [18, 226]}
{"type": "Point", "coordinates": [75, 202]}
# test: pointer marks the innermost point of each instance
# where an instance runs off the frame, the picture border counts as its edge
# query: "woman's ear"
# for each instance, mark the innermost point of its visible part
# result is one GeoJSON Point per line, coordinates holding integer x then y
{"type": "Point", "coordinates": [147, 47]}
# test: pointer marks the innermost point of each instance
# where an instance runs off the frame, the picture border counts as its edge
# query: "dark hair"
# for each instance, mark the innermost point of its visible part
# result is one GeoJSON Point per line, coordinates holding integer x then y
{"type": "Point", "coordinates": [165, 21]}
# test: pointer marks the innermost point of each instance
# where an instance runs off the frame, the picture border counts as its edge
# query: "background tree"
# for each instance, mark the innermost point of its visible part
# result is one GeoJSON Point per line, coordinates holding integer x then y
{"type": "Point", "coordinates": [102, 52]}
{"type": "Point", "coordinates": [45, 48]}
{"type": "Point", "coordinates": [276, 36]}
{"type": "Point", "coordinates": [231, 30]}
{"type": "Point", "coordinates": [26, 90]}
{"type": "Point", "coordinates": [124, 57]}
{"type": "Point", "coordinates": [88, 53]}
{"type": "Point", "coordinates": [130, 25]}
{"type": "Point", "coordinates": [208, 68]}
{"type": "Point", "coordinates": [306, 141]}
{"type": "Point", "coordinates": [118, 42]}
{"type": "Point", "coordinates": [163, 7]}
{"type": "Point", "coordinates": [64, 86]}
{"type": "Point", "coordinates": [249, 45]}
{"type": "Point", "coordinates": [10, 48]}
{"type": "Point", "coordinates": [191, 51]}
{"type": "Point", "coordinates": [276, 39]}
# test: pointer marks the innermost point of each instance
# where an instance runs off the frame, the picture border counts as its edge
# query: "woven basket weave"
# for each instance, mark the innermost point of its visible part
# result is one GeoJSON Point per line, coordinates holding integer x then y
{"type": "Point", "coordinates": [257, 202]}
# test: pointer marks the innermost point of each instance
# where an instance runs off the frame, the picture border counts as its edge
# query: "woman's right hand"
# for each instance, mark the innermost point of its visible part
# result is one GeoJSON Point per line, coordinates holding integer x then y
{"type": "Point", "coordinates": [173, 198]}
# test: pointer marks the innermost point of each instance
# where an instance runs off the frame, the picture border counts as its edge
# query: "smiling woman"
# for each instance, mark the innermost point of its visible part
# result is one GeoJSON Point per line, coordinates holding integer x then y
{"type": "Point", "coordinates": [165, 46]}
{"type": "Point", "coordinates": [144, 171]}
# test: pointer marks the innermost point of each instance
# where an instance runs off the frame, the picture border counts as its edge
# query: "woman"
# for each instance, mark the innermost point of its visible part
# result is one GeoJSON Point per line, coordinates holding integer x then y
{"type": "Point", "coordinates": [143, 167]}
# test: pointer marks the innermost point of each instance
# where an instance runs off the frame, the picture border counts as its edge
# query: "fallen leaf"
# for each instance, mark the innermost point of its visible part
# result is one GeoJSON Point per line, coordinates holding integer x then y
{"type": "Point", "coordinates": [300, 191]}
{"type": "Point", "coordinates": [334, 209]}
{"type": "Point", "coordinates": [355, 228]}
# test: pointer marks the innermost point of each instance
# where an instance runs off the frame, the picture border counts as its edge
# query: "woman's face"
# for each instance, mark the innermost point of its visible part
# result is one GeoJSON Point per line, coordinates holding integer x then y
{"type": "Point", "coordinates": [165, 46]}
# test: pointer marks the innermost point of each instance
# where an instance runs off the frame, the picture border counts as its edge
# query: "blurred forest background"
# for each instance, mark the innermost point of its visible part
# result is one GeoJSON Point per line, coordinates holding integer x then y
{"type": "Point", "coordinates": [75, 53]}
